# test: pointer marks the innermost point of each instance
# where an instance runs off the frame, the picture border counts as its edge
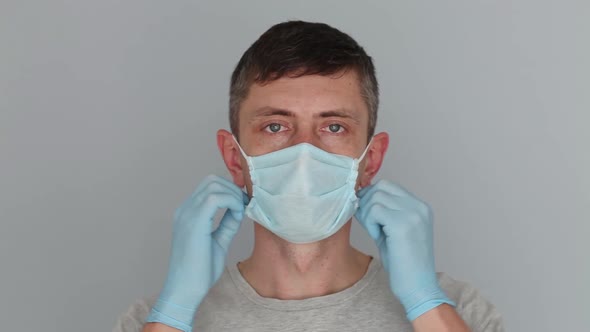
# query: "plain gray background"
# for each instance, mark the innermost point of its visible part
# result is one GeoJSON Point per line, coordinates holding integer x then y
{"type": "Point", "coordinates": [109, 111]}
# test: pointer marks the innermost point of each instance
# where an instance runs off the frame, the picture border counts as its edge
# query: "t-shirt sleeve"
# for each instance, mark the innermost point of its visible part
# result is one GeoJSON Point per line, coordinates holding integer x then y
{"type": "Point", "coordinates": [479, 313]}
{"type": "Point", "coordinates": [134, 318]}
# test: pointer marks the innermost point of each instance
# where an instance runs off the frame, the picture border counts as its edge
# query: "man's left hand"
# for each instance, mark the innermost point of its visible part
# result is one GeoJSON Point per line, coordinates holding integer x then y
{"type": "Point", "coordinates": [401, 226]}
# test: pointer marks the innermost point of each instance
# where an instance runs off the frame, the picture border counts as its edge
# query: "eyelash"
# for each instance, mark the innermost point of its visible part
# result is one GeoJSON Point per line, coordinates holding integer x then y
{"type": "Point", "coordinates": [266, 128]}
{"type": "Point", "coordinates": [339, 132]}
{"type": "Point", "coordinates": [342, 128]}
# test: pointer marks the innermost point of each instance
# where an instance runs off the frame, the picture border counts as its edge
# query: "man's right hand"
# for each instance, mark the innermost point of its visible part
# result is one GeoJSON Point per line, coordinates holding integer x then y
{"type": "Point", "coordinates": [198, 253]}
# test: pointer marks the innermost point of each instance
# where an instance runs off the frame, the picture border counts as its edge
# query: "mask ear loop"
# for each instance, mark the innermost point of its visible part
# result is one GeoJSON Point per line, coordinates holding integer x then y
{"type": "Point", "coordinates": [248, 160]}
{"type": "Point", "coordinates": [240, 147]}
{"type": "Point", "coordinates": [365, 152]}
{"type": "Point", "coordinates": [358, 161]}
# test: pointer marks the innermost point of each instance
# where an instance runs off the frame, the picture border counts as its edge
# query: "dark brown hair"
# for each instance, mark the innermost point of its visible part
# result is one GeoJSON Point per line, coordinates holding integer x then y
{"type": "Point", "coordinates": [297, 48]}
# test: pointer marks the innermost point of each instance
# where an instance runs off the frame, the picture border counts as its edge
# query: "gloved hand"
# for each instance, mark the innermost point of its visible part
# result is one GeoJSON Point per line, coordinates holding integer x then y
{"type": "Point", "coordinates": [401, 226]}
{"type": "Point", "coordinates": [198, 253]}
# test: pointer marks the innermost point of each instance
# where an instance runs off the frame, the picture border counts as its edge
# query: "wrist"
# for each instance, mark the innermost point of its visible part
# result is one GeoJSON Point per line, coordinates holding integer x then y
{"type": "Point", "coordinates": [420, 302]}
{"type": "Point", "coordinates": [174, 314]}
{"type": "Point", "coordinates": [443, 318]}
{"type": "Point", "coordinates": [156, 316]}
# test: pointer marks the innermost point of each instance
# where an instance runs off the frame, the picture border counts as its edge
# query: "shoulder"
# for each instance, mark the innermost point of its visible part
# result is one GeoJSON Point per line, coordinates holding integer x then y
{"type": "Point", "coordinates": [479, 313]}
{"type": "Point", "coordinates": [134, 317]}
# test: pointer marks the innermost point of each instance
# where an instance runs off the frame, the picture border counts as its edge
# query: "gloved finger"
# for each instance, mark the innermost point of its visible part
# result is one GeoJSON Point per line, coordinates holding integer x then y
{"type": "Point", "coordinates": [374, 229]}
{"type": "Point", "coordinates": [392, 188]}
{"type": "Point", "coordinates": [374, 215]}
{"type": "Point", "coordinates": [403, 203]}
{"type": "Point", "coordinates": [227, 229]}
{"type": "Point", "coordinates": [364, 190]}
{"type": "Point", "coordinates": [394, 221]}
{"type": "Point", "coordinates": [216, 183]}
{"type": "Point", "coordinates": [376, 210]}
{"type": "Point", "coordinates": [380, 222]}
{"type": "Point", "coordinates": [210, 183]}
{"type": "Point", "coordinates": [203, 209]}
{"type": "Point", "coordinates": [393, 224]}
{"type": "Point", "coordinates": [221, 200]}
{"type": "Point", "coordinates": [382, 185]}
{"type": "Point", "coordinates": [379, 207]}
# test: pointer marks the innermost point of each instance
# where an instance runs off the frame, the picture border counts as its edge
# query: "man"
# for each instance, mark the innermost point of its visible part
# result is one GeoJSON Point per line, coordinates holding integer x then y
{"type": "Point", "coordinates": [303, 110]}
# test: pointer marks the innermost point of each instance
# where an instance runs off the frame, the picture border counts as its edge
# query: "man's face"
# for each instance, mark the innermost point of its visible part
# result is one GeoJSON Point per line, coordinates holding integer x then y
{"type": "Point", "coordinates": [326, 111]}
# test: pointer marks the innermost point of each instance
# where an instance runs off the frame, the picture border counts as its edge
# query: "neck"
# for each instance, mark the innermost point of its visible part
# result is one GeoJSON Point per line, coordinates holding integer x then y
{"type": "Point", "coordinates": [287, 271]}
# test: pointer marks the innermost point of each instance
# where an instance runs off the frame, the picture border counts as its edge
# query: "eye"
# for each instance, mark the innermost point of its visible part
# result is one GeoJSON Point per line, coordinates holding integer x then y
{"type": "Point", "coordinates": [274, 127]}
{"type": "Point", "coordinates": [335, 128]}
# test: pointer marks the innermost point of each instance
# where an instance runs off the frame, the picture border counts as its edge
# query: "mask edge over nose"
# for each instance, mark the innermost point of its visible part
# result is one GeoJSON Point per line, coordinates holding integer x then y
{"type": "Point", "coordinates": [360, 158]}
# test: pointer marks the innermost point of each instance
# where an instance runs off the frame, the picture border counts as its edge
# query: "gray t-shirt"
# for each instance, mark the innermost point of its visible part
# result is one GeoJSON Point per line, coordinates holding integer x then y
{"type": "Point", "coordinates": [368, 305]}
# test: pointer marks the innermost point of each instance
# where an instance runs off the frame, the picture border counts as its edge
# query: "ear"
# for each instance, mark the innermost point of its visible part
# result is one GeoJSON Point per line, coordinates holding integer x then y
{"type": "Point", "coordinates": [230, 152]}
{"type": "Point", "coordinates": [373, 159]}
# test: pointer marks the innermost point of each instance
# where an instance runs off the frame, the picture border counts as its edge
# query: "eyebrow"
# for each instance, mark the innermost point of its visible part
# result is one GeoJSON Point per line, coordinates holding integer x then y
{"type": "Point", "coordinates": [270, 111]}
{"type": "Point", "coordinates": [338, 113]}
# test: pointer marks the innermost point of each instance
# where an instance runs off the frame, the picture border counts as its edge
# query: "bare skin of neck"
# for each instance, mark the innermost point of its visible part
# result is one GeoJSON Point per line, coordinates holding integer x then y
{"type": "Point", "coordinates": [283, 270]}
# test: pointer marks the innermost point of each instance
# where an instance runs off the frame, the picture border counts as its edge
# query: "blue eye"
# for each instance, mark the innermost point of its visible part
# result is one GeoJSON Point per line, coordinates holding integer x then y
{"type": "Point", "coordinates": [334, 128]}
{"type": "Point", "coordinates": [274, 127]}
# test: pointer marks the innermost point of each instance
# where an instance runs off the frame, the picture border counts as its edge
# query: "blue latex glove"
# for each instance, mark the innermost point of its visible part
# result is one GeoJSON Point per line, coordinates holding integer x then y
{"type": "Point", "coordinates": [198, 253]}
{"type": "Point", "coordinates": [401, 226]}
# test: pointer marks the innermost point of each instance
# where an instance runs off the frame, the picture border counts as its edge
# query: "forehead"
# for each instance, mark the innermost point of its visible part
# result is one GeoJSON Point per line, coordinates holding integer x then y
{"type": "Point", "coordinates": [309, 93]}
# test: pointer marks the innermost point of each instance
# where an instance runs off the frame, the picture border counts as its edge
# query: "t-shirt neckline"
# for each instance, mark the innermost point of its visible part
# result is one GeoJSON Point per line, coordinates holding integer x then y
{"type": "Point", "coordinates": [305, 304]}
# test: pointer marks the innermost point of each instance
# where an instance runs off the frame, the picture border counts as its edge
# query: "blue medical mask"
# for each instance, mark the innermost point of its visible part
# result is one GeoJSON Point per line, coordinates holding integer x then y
{"type": "Point", "coordinates": [302, 193]}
